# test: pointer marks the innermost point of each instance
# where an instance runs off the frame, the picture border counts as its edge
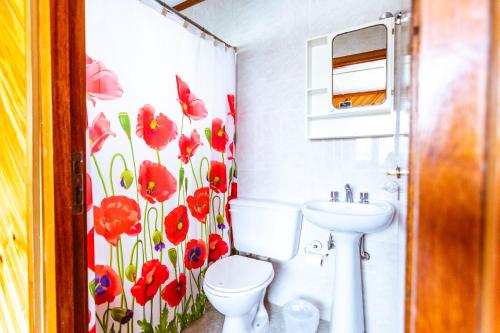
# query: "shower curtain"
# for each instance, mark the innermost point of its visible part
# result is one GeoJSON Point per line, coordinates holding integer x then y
{"type": "Point", "coordinates": [161, 168]}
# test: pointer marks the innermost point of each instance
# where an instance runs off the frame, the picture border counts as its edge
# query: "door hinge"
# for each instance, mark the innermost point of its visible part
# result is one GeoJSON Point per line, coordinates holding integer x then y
{"type": "Point", "coordinates": [77, 171]}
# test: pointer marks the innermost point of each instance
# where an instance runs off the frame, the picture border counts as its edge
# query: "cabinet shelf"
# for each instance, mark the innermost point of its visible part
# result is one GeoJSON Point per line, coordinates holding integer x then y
{"type": "Point", "coordinates": [317, 90]}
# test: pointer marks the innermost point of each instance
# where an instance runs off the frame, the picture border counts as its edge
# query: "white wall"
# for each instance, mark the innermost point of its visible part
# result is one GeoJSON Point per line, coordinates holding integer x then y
{"type": "Point", "coordinates": [275, 160]}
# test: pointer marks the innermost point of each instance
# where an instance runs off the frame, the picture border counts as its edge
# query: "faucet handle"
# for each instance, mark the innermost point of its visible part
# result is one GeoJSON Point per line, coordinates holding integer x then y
{"type": "Point", "coordinates": [363, 197]}
{"type": "Point", "coordinates": [334, 196]}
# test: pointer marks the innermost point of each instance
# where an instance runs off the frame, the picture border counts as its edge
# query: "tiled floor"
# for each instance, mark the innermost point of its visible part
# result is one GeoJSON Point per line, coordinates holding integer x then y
{"type": "Point", "coordinates": [212, 321]}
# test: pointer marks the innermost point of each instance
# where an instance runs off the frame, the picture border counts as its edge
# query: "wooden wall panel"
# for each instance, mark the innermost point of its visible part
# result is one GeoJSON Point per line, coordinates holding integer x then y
{"type": "Point", "coordinates": [15, 177]}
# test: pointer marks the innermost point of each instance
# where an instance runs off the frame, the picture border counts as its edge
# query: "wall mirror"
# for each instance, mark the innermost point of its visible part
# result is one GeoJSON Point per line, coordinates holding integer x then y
{"type": "Point", "coordinates": [349, 89]}
{"type": "Point", "coordinates": [359, 66]}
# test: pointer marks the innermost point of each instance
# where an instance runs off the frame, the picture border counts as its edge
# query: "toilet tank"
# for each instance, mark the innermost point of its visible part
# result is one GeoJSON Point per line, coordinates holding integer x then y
{"type": "Point", "coordinates": [266, 228]}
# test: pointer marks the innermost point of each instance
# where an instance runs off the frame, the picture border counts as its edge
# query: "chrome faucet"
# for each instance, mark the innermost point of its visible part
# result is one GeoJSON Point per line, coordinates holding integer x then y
{"type": "Point", "coordinates": [348, 193]}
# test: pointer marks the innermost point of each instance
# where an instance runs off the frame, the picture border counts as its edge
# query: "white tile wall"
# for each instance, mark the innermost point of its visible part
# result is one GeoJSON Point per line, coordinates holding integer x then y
{"type": "Point", "coordinates": [275, 160]}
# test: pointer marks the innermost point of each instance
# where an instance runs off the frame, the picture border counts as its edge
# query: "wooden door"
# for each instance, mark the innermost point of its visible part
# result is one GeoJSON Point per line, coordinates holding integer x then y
{"type": "Point", "coordinates": [449, 227]}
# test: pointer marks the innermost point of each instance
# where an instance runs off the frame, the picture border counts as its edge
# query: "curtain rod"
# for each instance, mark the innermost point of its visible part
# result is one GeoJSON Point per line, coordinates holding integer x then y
{"type": "Point", "coordinates": [185, 18]}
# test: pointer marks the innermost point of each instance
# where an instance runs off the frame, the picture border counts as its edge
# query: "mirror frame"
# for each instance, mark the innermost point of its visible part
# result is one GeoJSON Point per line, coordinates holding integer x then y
{"type": "Point", "coordinates": [327, 122]}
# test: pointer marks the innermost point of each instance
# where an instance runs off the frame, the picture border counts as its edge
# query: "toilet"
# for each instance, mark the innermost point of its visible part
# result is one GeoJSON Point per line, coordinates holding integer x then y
{"type": "Point", "coordinates": [236, 285]}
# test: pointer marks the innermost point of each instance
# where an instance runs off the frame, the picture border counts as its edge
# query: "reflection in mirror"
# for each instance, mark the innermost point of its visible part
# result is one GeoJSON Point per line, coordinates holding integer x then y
{"type": "Point", "coordinates": [359, 67]}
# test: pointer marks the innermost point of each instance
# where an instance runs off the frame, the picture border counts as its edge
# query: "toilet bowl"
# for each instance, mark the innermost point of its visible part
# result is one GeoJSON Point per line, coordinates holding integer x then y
{"type": "Point", "coordinates": [236, 287]}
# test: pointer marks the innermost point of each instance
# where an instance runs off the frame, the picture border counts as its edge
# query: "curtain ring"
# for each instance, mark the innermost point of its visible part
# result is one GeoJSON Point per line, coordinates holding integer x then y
{"type": "Point", "coordinates": [164, 11]}
{"type": "Point", "coordinates": [203, 35]}
{"type": "Point", "coordinates": [185, 24]}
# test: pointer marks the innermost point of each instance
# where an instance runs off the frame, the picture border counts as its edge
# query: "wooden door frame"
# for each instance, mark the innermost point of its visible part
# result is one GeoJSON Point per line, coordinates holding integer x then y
{"type": "Point", "coordinates": [67, 20]}
{"type": "Point", "coordinates": [490, 312]}
{"type": "Point", "coordinates": [452, 215]}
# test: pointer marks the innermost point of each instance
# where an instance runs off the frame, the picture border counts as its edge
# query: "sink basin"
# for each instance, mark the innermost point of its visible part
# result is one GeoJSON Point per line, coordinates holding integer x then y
{"type": "Point", "coordinates": [348, 222]}
{"type": "Point", "coordinates": [348, 216]}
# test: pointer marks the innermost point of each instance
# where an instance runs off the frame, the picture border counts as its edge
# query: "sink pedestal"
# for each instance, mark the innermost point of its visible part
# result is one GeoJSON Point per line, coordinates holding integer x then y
{"type": "Point", "coordinates": [348, 221]}
{"type": "Point", "coordinates": [347, 310]}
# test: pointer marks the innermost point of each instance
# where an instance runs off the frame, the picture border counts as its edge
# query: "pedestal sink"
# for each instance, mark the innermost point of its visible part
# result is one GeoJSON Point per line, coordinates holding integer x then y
{"type": "Point", "coordinates": [348, 222]}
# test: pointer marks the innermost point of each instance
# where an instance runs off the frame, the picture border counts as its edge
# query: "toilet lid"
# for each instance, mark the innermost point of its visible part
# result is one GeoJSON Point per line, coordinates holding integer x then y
{"type": "Point", "coordinates": [237, 273]}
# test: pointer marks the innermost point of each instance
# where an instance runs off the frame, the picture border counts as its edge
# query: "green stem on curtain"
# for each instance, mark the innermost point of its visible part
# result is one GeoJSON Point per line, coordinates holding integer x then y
{"type": "Point", "coordinates": [195, 281]}
{"type": "Point", "coordinates": [134, 249]}
{"type": "Point", "coordinates": [144, 230]}
{"type": "Point", "coordinates": [135, 171]}
{"type": "Point", "coordinates": [110, 265]}
{"type": "Point", "coordinates": [100, 322]}
{"type": "Point", "coordinates": [162, 211]}
{"type": "Point", "coordinates": [123, 271]}
{"type": "Point", "coordinates": [120, 273]}
{"type": "Point", "coordinates": [194, 174]}
{"type": "Point", "coordinates": [183, 246]}
{"type": "Point", "coordinates": [191, 286]}
{"type": "Point", "coordinates": [136, 264]}
{"type": "Point", "coordinates": [111, 170]}
{"type": "Point", "coordinates": [213, 210]}
{"type": "Point", "coordinates": [224, 201]}
{"type": "Point", "coordinates": [224, 194]}
{"type": "Point", "coordinates": [105, 318]}
{"type": "Point", "coordinates": [200, 168]}
{"type": "Point", "coordinates": [149, 228]}
{"type": "Point", "coordinates": [211, 206]}
{"type": "Point", "coordinates": [161, 223]}
{"type": "Point", "coordinates": [184, 194]}
{"type": "Point", "coordinates": [100, 175]}
{"type": "Point", "coordinates": [180, 161]}
{"type": "Point", "coordinates": [151, 311]}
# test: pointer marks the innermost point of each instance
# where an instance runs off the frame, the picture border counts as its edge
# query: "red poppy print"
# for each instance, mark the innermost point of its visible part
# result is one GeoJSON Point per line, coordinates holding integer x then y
{"type": "Point", "coordinates": [177, 225]}
{"type": "Point", "coordinates": [232, 108]}
{"type": "Point", "coordinates": [155, 182]}
{"type": "Point", "coordinates": [196, 254]}
{"type": "Point", "coordinates": [219, 135]}
{"type": "Point", "coordinates": [217, 177]}
{"type": "Point", "coordinates": [231, 151]}
{"type": "Point", "coordinates": [198, 204]}
{"type": "Point", "coordinates": [101, 83]}
{"type": "Point", "coordinates": [89, 317]}
{"type": "Point", "coordinates": [90, 250]}
{"type": "Point", "coordinates": [192, 107]}
{"type": "Point", "coordinates": [157, 131]}
{"type": "Point", "coordinates": [188, 146]}
{"type": "Point", "coordinates": [117, 215]}
{"type": "Point", "coordinates": [175, 291]}
{"type": "Point", "coordinates": [153, 274]}
{"type": "Point", "coordinates": [99, 132]}
{"type": "Point", "coordinates": [107, 284]}
{"type": "Point", "coordinates": [217, 247]}
{"type": "Point", "coordinates": [88, 188]}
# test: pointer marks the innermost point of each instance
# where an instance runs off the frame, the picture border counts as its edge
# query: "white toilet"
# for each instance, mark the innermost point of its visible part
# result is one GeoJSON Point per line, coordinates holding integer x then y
{"type": "Point", "coordinates": [236, 285]}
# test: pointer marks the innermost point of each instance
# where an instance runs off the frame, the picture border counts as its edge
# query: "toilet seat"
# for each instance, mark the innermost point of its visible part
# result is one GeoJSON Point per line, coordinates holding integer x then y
{"type": "Point", "coordinates": [237, 274]}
